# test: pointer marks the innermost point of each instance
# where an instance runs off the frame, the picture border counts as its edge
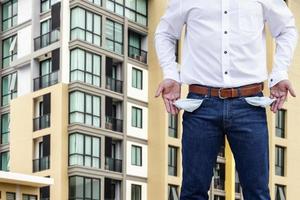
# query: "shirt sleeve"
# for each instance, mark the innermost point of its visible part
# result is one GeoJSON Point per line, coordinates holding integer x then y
{"type": "Point", "coordinates": [167, 32]}
{"type": "Point", "coordinates": [281, 23]}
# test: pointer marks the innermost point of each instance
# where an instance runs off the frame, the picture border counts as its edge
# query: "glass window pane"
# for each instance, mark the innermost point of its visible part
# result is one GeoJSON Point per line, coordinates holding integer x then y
{"type": "Point", "coordinates": [96, 189]}
{"type": "Point", "coordinates": [88, 145]}
{"type": "Point", "coordinates": [96, 147]}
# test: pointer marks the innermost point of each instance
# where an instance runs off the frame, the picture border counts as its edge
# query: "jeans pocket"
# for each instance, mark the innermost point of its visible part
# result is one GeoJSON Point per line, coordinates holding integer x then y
{"type": "Point", "coordinates": [188, 104]}
{"type": "Point", "coordinates": [259, 101]}
{"type": "Point", "coordinates": [191, 102]}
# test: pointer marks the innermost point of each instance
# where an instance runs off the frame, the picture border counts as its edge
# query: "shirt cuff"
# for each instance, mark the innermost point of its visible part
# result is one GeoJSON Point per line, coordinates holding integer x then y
{"type": "Point", "coordinates": [171, 72]}
{"type": "Point", "coordinates": [276, 77]}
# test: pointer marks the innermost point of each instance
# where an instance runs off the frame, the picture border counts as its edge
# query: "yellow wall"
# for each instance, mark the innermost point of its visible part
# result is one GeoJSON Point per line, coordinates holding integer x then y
{"type": "Point", "coordinates": [18, 189]}
{"type": "Point", "coordinates": [22, 135]}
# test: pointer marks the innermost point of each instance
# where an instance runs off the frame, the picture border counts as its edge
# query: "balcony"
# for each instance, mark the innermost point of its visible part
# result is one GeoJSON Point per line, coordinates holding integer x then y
{"type": "Point", "coordinates": [113, 164]}
{"type": "Point", "coordinates": [114, 84]}
{"type": "Point", "coordinates": [237, 188]}
{"type": "Point", "coordinates": [41, 122]}
{"type": "Point", "coordinates": [41, 164]}
{"type": "Point", "coordinates": [137, 54]}
{"type": "Point", "coordinates": [46, 39]}
{"type": "Point", "coordinates": [219, 184]}
{"type": "Point", "coordinates": [45, 81]}
{"type": "Point", "coordinates": [113, 124]}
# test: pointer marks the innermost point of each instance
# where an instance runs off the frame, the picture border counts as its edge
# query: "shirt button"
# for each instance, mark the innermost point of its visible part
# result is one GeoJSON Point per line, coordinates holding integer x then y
{"type": "Point", "coordinates": [225, 32]}
{"type": "Point", "coordinates": [225, 11]}
{"type": "Point", "coordinates": [225, 52]}
{"type": "Point", "coordinates": [271, 79]}
{"type": "Point", "coordinates": [226, 72]}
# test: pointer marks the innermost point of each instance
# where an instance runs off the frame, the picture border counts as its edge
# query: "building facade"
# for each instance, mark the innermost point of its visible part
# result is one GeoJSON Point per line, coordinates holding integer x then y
{"type": "Point", "coordinates": [78, 79]}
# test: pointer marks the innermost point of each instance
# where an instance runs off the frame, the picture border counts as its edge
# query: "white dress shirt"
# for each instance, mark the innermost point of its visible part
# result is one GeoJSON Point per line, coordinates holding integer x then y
{"type": "Point", "coordinates": [225, 41]}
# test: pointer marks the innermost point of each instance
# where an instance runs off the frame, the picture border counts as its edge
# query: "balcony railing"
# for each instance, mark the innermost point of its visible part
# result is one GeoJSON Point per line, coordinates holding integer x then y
{"type": "Point", "coordinates": [137, 54]}
{"type": "Point", "coordinates": [41, 122]}
{"type": "Point", "coordinates": [46, 39]}
{"type": "Point", "coordinates": [222, 152]}
{"type": "Point", "coordinates": [237, 188]}
{"type": "Point", "coordinates": [113, 164]}
{"type": "Point", "coordinates": [113, 123]}
{"type": "Point", "coordinates": [219, 184]}
{"type": "Point", "coordinates": [45, 81]}
{"type": "Point", "coordinates": [114, 84]}
{"type": "Point", "coordinates": [41, 164]}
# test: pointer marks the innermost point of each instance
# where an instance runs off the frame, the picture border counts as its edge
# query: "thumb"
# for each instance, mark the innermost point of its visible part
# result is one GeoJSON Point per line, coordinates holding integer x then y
{"type": "Point", "coordinates": [159, 90]}
{"type": "Point", "coordinates": [292, 91]}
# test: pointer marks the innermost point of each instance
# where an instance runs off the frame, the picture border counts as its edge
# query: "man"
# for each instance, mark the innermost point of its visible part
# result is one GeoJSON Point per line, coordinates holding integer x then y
{"type": "Point", "coordinates": [224, 63]}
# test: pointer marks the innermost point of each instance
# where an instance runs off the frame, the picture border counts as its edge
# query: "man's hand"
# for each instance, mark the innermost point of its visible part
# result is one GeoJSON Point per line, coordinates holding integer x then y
{"type": "Point", "coordinates": [170, 90]}
{"type": "Point", "coordinates": [280, 92]}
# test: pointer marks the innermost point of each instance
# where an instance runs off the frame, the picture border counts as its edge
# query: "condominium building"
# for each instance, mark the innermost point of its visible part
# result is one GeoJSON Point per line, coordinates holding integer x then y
{"type": "Point", "coordinates": [74, 96]}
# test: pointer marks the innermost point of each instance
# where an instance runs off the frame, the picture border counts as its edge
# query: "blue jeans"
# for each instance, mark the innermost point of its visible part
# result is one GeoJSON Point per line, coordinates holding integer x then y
{"type": "Point", "coordinates": [204, 130]}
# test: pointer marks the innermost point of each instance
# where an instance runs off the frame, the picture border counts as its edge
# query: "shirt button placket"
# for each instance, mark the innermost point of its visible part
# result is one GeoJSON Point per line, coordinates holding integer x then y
{"type": "Point", "coordinates": [225, 42]}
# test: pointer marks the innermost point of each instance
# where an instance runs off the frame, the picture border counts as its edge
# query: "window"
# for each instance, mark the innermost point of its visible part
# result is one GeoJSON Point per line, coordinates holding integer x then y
{"type": "Point", "coordinates": [219, 176]}
{"type": "Point", "coordinates": [9, 14]}
{"type": "Point", "coordinates": [84, 150]}
{"type": "Point", "coordinates": [29, 197]}
{"type": "Point", "coordinates": [84, 188]}
{"type": "Point", "coordinates": [136, 155]}
{"type": "Point", "coordinates": [136, 10]}
{"type": "Point", "coordinates": [280, 123]}
{"type": "Point", "coordinates": [136, 117]}
{"type": "Point", "coordinates": [97, 2]}
{"type": "Point", "coordinates": [9, 51]}
{"type": "Point", "coordinates": [9, 88]}
{"type": "Point", "coordinates": [5, 129]}
{"type": "Point", "coordinates": [280, 192]}
{"type": "Point", "coordinates": [172, 161]}
{"type": "Point", "coordinates": [45, 193]}
{"type": "Point", "coordinates": [135, 47]}
{"type": "Point", "coordinates": [136, 192]}
{"type": "Point", "coordinates": [10, 196]}
{"type": "Point", "coordinates": [46, 4]}
{"type": "Point", "coordinates": [114, 36]}
{"type": "Point", "coordinates": [279, 160]}
{"type": "Point", "coordinates": [173, 192]}
{"type": "Point", "coordinates": [217, 197]}
{"type": "Point", "coordinates": [85, 108]}
{"type": "Point", "coordinates": [85, 26]}
{"type": "Point", "coordinates": [4, 161]}
{"type": "Point", "coordinates": [85, 67]}
{"type": "Point", "coordinates": [137, 78]}
{"type": "Point", "coordinates": [173, 125]}
{"type": "Point", "coordinates": [116, 6]}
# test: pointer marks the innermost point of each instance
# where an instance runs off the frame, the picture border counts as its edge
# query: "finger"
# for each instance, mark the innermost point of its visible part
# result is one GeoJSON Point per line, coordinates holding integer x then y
{"type": "Point", "coordinates": [167, 104]}
{"type": "Point", "coordinates": [281, 102]}
{"type": "Point", "coordinates": [159, 90]}
{"type": "Point", "coordinates": [292, 91]}
{"type": "Point", "coordinates": [276, 105]}
{"type": "Point", "coordinates": [273, 105]}
{"type": "Point", "coordinates": [172, 107]}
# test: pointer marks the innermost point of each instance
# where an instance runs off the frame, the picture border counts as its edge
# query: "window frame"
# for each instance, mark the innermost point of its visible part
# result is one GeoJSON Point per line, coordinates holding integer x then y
{"type": "Point", "coordinates": [114, 41]}
{"type": "Point", "coordinates": [85, 30]}
{"type": "Point", "coordinates": [28, 196]}
{"type": "Point", "coordinates": [137, 125]}
{"type": "Point", "coordinates": [280, 151]}
{"type": "Point", "coordinates": [84, 188]}
{"type": "Point", "coordinates": [137, 71]}
{"type": "Point", "coordinates": [1, 157]}
{"type": "Point", "coordinates": [172, 159]}
{"type": "Point", "coordinates": [11, 93]}
{"type": "Point", "coordinates": [84, 112]}
{"type": "Point", "coordinates": [85, 72]}
{"type": "Point", "coordinates": [11, 18]}
{"type": "Point", "coordinates": [134, 160]}
{"type": "Point", "coordinates": [280, 123]}
{"type": "Point", "coordinates": [2, 134]}
{"type": "Point", "coordinates": [84, 155]}
{"type": "Point", "coordinates": [173, 125]}
{"type": "Point", "coordinates": [12, 54]}
{"type": "Point", "coordinates": [134, 188]}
